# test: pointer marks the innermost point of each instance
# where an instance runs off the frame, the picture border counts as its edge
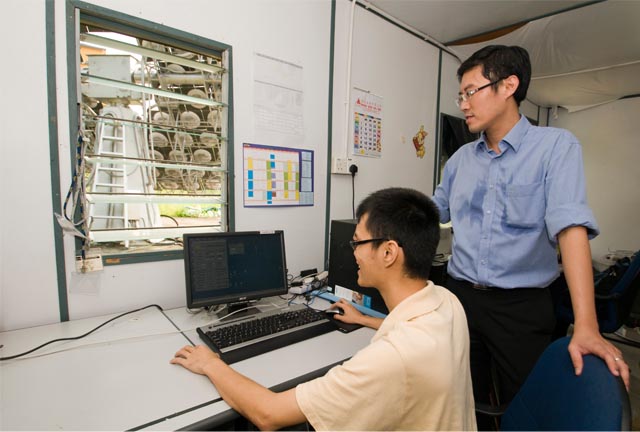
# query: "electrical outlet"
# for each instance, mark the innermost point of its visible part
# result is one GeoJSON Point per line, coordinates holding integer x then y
{"type": "Point", "coordinates": [89, 264]}
{"type": "Point", "coordinates": [340, 166]}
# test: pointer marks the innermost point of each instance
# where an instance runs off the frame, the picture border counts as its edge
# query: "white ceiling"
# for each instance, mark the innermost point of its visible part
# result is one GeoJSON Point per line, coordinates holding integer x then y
{"type": "Point", "coordinates": [451, 20]}
{"type": "Point", "coordinates": [582, 53]}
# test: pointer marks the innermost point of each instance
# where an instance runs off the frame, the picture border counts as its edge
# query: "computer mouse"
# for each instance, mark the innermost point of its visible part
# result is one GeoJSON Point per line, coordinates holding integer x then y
{"type": "Point", "coordinates": [335, 311]}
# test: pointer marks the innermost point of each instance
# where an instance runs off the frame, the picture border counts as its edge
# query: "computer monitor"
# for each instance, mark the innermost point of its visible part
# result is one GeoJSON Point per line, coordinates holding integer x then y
{"type": "Point", "coordinates": [233, 268]}
{"type": "Point", "coordinates": [343, 270]}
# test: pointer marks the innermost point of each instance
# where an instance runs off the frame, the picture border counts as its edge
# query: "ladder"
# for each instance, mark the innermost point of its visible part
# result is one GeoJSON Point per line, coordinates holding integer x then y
{"type": "Point", "coordinates": [110, 177]}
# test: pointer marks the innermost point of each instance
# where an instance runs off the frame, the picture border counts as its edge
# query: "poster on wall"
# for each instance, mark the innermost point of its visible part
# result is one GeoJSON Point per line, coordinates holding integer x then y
{"type": "Point", "coordinates": [277, 176]}
{"type": "Point", "coordinates": [278, 97]}
{"type": "Point", "coordinates": [367, 123]}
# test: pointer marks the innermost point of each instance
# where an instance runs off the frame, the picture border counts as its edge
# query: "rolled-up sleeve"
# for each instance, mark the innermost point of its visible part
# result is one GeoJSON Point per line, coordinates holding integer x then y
{"type": "Point", "coordinates": [566, 191]}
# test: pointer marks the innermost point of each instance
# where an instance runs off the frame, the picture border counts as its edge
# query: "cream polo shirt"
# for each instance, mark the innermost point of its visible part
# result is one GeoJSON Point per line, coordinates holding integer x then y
{"type": "Point", "coordinates": [414, 375]}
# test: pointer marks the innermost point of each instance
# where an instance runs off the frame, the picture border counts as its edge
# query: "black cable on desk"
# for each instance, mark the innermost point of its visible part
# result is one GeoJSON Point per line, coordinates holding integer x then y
{"type": "Point", "coordinates": [311, 295]}
{"type": "Point", "coordinates": [81, 336]}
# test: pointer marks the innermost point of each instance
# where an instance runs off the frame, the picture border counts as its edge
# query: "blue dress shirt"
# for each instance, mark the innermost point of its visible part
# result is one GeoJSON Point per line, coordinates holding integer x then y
{"type": "Point", "coordinates": [507, 209]}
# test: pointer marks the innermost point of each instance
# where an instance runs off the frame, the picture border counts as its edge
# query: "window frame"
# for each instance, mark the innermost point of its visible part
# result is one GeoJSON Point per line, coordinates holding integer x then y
{"type": "Point", "coordinates": [127, 24]}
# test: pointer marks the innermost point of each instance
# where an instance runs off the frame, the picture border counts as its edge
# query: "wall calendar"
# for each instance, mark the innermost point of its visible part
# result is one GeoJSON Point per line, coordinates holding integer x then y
{"type": "Point", "coordinates": [367, 123]}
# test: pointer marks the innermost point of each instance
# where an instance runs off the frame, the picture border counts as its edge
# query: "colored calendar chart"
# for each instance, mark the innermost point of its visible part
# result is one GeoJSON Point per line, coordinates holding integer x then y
{"type": "Point", "coordinates": [277, 176]}
{"type": "Point", "coordinates": [367, 124]}
{"type": "Point", "coordinates": [367, 135]}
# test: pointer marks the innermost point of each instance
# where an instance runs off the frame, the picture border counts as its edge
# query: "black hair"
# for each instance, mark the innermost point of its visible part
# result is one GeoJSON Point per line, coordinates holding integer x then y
{"type": "Point", "coordinates": [500, 61]}
{"type": "Point", "coordinates": [410, 218]}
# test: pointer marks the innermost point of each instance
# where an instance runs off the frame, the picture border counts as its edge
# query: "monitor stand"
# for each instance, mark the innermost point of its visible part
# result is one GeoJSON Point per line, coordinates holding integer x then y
{"type": "Point", "coordinates": [232, 307]}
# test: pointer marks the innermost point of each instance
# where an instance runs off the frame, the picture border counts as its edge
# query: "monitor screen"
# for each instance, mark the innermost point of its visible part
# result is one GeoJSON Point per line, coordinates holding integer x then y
{"type": "Point", "coordinates": [230, 267]}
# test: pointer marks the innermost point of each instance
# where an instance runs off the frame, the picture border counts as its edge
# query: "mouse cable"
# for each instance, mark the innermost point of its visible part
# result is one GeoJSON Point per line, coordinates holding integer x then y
{"type": "Point", "coordinates": [81, 336]}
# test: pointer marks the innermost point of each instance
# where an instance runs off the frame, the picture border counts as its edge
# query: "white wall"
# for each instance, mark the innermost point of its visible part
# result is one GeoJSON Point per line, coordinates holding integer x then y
{"type": "Point", "coordinates": [403, 70]}
{"type": "Point", "coordinates": [297, 31]}
{"type": "Point", "coordinates": [28, 289]}
{"type": "Point", "coordinates": [611, 152]}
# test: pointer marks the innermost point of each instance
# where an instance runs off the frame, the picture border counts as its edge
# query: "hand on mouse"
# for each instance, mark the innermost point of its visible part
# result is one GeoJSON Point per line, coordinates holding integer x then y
{"type": "Point", "coordinates": [349, 313]}
{"type": "Point", "coordinates": [352, 315]}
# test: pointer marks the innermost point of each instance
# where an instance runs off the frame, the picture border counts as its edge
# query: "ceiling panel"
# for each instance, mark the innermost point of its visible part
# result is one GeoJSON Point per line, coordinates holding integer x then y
{"type": "Point", "coordinates": [451, 20]}
{"type": "Point", "coordinates": [586, 55]}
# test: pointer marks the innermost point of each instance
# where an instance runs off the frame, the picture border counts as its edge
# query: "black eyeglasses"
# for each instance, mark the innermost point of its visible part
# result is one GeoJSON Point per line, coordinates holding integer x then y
{"type": "Point", "coordinates": [355, 243]}
{"type": "Point", "coordinates": [465, 95]}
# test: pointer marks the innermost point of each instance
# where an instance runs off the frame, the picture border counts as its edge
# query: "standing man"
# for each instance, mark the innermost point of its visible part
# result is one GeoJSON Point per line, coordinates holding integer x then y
{"type": "Point", "coordinates": [513, 196]}
{"type": "Point", "coordinates": [415, 373]}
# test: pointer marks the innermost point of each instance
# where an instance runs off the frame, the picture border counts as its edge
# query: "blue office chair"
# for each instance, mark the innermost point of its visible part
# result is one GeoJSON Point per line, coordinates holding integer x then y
{"type": "Point", "coordinates": [613, 306]}
{"type": "Point", "coordinates": [554, 398]}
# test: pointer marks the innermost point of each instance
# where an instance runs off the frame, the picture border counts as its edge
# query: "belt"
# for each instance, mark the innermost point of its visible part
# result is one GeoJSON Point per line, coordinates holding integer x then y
{"type": "Point", "coordinates": [476, 286]}
{"type": "Point", "coordinates": [481, 287]}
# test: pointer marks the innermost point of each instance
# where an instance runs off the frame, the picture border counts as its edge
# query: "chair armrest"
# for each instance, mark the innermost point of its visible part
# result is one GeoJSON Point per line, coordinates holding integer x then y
{"type": "Point", "coordinates": [490, 410]}
{"type": "Point", "coordinates": [613, 296]}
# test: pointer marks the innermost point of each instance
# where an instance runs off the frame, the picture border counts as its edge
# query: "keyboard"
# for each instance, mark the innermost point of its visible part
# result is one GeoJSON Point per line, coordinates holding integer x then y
{"type": "Point", "coordinates": [265, 332]}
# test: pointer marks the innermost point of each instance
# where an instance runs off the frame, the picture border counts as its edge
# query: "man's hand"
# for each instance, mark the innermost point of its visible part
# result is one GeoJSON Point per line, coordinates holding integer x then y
{"type": "Point", "coordinates": [351, 314]}
{"type": "Point", "coordinates": [591, 342]}
{"type": "Point", "coordinates": [197, 359]}
{"type": "Point", "coordinates": [263, 408]}
{"type": "Point", "coordinates": [354, 316]}
{"type": "Point", "coordinates": [576, 262]}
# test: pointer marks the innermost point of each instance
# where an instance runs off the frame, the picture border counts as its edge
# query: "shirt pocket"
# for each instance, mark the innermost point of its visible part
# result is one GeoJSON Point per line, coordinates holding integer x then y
{"type": "Point", "coordinates": [525, 205]}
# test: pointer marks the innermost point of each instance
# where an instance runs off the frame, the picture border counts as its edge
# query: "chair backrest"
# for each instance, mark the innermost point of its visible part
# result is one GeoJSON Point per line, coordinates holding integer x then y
{"type": "Point", "coordinates": [554, 398]}
{"type": "Point", "coordinates": [613, 312]}
{"type": "Point", "coordinates": [630, 274]}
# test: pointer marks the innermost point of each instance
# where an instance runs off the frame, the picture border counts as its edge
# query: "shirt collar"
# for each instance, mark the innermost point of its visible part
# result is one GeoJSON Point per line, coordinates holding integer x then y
{"type": "Point", "coordinates": [513, 139]}
{"type": "Point", "coordinates": [420, 303]}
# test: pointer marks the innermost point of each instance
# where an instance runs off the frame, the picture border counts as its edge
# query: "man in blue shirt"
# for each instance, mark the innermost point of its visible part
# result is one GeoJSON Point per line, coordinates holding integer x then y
{"type": "Point", "coordinates": [513, 196]}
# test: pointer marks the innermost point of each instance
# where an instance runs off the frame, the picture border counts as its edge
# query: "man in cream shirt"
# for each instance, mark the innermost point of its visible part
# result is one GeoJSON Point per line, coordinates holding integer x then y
{"type": "Point", "coordinates": [415, 373]}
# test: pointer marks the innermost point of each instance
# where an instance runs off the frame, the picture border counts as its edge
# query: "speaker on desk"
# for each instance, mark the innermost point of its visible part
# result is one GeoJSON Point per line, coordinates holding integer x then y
{"type": "Point", "coordinates": [343, 270]}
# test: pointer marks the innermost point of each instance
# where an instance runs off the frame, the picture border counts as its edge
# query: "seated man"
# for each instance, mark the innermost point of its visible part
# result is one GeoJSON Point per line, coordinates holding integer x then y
{"type": "Point", "coordinates": [414, 374]}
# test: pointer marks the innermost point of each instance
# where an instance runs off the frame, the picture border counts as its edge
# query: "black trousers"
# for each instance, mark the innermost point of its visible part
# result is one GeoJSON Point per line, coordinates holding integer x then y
{"type": "Point", "coordinates": [508, 330]}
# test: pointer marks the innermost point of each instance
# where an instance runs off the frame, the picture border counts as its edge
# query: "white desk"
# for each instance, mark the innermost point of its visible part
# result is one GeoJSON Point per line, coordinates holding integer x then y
{"type": "Point", "coordinates": [120, 378]}
{"type": "Point", "coordinates": [279, 369]}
